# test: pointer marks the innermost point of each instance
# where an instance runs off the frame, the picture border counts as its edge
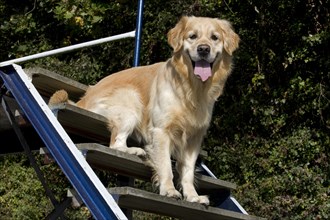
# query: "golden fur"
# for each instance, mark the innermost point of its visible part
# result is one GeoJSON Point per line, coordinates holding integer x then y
{"type": "Point", "coordinates": [169, 105]}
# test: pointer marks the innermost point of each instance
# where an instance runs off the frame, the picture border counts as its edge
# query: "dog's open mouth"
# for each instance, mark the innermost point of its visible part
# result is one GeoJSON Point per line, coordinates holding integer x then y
{"type": "Point", "coordinates": [202, 69]}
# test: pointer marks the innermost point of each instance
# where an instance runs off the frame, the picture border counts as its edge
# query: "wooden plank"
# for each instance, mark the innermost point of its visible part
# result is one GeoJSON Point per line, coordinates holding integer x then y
{"type": "Point", "coordinates": [48, 82]}
{"type": "Point", "coordinates": [84, 123]}
{"type": "Point", "coordinates": [108, 159]}
{"type": "Point", "coordinates": [136, 199]}
{"type": "Point", "coordinates": [75, 120]}
{"type": "Point", "coordinates": [103, 157]}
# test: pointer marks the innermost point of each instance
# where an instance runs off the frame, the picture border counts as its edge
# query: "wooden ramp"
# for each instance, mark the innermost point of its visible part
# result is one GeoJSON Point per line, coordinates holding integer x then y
{"type": "Point", "coordinates": [89, 131]}
{"type": "Point", "coordinates": [131, 198]}
{"type": "Point", "coordinates": [130, 165]}
{"type": "Point", "coordinates": [136, 199]}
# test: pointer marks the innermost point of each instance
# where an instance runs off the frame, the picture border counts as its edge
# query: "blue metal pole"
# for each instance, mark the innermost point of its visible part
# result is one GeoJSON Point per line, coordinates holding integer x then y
{"type": "Point", "coordinates": [138, 33]}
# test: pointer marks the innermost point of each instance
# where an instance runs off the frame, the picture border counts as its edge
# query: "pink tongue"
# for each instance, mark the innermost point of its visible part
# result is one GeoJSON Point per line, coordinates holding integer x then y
{"type": "Point", "coordinates": [203, 70]}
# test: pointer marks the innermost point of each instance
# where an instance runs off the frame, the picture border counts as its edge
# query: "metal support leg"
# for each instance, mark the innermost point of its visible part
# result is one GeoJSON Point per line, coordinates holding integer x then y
{"type": "Point", "coordinates": [30, 156]}
{"type": "Point", "coordinates": [126, 181]}
{"type": "Point", "coordinates": [59, 209]}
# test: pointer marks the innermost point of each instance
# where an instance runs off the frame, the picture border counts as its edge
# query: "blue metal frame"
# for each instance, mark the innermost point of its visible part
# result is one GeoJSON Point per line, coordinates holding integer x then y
{"type": "Point", "coordinates": [225, 201]}
{"type": "Point", "coordinates": [138, 33]}
{"type": "Point", "coordinates": [91, 196]}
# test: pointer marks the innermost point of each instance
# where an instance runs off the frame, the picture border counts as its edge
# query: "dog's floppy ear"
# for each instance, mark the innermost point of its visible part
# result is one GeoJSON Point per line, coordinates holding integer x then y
{"type": "Point", "coordinates": [174, 36]}
{"type": "Point", "coordinates": [231, 39]}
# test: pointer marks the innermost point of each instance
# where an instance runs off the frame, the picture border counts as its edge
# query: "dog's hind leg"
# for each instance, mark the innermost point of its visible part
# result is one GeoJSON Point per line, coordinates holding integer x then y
{"type": "Point", "coordinates": [122, 126]}
{"type": "Point", "coordinates": [123, 109]}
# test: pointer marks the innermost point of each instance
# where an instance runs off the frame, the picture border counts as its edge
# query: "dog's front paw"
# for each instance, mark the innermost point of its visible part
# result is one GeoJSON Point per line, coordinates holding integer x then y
{"type": "Point", "coordinates": [199, 199]}
{"type": "Point", "coordinates": [136, 151]}
{"type": "Point", "coordinates": [173, 193]}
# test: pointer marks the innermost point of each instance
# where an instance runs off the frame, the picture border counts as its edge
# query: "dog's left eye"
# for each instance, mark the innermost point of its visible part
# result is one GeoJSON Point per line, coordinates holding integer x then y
{"type": "Point", "coordinates": [214, 37]}
{"type": "Point", "coordinates": [193, 36]}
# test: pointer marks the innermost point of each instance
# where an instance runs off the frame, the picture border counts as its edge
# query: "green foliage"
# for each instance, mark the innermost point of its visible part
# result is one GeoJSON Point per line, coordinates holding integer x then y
{"type": "Point", "coordinates": [22, 195]}
{"type": "Point", "coordinates": [282, 177]}
{"type": "Point", "coordinates": [270, 130]}
{"type": "Point", "coordinates": [18, 199]}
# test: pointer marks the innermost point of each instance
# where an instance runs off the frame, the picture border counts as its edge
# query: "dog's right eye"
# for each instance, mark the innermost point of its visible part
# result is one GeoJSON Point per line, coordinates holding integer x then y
{"type": "Point", "coordinates": [214, 37]}
{"type": "Point", "coordinates": [193, 36]}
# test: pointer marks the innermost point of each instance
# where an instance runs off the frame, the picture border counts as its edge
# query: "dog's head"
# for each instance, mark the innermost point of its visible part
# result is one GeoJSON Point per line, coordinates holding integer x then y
{"type": "Point", "coordinates": [203, 41]}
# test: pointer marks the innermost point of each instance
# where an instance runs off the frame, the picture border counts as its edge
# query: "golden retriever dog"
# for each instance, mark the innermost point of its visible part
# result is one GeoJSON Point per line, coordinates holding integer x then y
{"type": "Point", "coordinates": [168, 105]}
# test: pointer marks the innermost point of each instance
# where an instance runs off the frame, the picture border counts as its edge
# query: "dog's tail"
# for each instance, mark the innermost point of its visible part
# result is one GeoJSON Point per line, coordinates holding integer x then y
{"type": "Point", "coordinates": [58, 100]}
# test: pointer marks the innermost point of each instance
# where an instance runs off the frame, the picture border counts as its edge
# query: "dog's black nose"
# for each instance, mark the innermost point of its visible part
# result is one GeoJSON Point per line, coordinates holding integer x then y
{"type": "Point", "coordinates": [203, 50]}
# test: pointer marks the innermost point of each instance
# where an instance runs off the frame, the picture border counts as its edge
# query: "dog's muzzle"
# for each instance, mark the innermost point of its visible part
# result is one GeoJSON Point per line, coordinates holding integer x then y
{"type": "Point", "coordinates": [202, 68]}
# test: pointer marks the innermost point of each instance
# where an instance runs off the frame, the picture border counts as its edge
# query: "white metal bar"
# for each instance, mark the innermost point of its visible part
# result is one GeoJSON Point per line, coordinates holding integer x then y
{"type": "Point", "coordinates": [208, 170]}
{"type": "Point", "coordinates": [67, 49]}
{"type": "Point", "coordinates": [238, 205]}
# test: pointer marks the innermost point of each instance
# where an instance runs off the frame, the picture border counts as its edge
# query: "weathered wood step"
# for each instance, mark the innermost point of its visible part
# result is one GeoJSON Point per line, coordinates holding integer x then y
{"type": "Point", "coordinates": [102, 157]}
{"type": "Point", "coordinates": [48, 82]}
{"type": "Point", "coordinates": [84, 123]}
{"type": "Point", "coordinates": [136, 199]}
{"type": "Point", "coordinates": [75, 120]}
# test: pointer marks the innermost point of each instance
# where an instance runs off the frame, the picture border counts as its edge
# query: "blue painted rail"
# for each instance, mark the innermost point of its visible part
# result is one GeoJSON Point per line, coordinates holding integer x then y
{"type": "Point", "coordinates": [69, 158]}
